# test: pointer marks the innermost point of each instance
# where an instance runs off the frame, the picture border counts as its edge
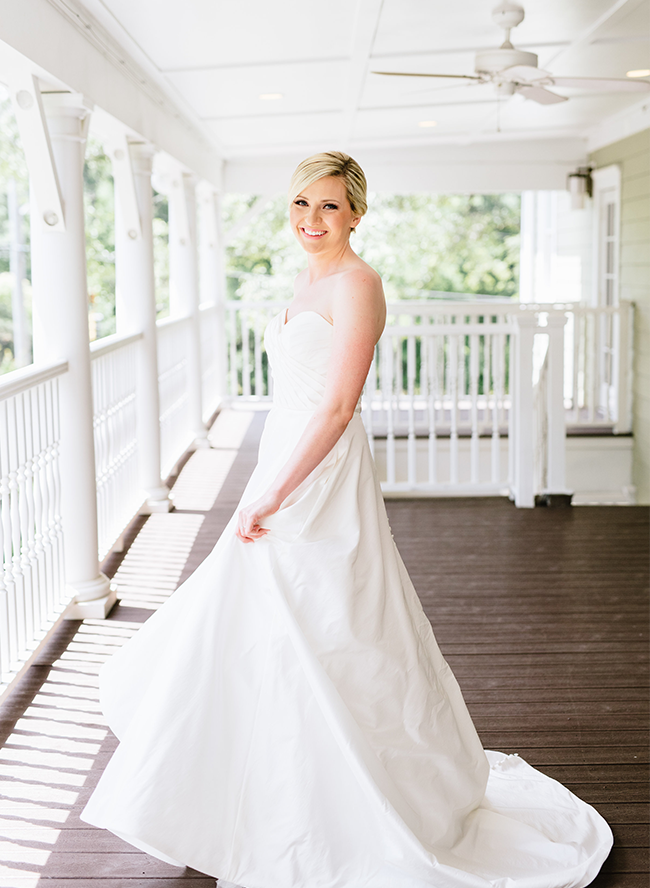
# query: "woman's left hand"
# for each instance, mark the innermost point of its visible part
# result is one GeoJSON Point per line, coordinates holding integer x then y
{"type": "Point", "coordinates": [249, 518]}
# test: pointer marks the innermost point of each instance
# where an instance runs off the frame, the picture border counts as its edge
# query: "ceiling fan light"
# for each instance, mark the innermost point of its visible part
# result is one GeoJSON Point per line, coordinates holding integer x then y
{"type": "Point", "coordinates": [641, 72]}
{"type": "Point", "coordinates": [428, 123]}
{"type": "Point", "coordinates": [491, 61]}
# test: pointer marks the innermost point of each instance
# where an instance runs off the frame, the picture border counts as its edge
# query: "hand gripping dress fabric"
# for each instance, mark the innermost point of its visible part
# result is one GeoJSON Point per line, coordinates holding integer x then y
{"type": "Point", "coordinates": [286, 719]}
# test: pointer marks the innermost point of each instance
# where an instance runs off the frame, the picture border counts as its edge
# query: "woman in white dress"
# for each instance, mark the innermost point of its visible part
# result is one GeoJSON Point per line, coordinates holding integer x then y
{"type": "Point", "coordinates": [286, 720]}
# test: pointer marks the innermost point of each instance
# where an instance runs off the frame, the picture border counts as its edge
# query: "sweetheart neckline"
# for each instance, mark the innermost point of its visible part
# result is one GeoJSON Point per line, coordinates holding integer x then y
{"type": "Point", "coordinates": [284, 323]}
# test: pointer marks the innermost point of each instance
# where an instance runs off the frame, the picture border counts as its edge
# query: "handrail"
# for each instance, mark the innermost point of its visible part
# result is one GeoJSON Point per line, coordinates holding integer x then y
{"type": "Point", "coordinates": [20, 380]}
{"type": "Point", "coordinates": [110, 343]}
{"type": "Point", "coordinates": [164, 323]}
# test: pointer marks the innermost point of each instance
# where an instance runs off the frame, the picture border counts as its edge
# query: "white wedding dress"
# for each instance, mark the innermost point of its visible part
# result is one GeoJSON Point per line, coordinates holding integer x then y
{"type": "Point", "coordinates": [286, 719]}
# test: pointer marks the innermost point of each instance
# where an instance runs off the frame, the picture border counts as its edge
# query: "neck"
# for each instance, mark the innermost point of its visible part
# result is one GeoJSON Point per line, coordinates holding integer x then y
{"type": "Point", "coordinates": [324, 264]}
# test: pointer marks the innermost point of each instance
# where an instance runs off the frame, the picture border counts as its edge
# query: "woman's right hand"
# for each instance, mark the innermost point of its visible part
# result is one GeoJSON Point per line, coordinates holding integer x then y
{"type": "Point", "coordinates": [249, 520]}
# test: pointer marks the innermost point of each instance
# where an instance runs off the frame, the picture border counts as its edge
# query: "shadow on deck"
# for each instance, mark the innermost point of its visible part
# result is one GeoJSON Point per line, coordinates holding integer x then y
{"type": "Point", "coordinates": [542, 614]}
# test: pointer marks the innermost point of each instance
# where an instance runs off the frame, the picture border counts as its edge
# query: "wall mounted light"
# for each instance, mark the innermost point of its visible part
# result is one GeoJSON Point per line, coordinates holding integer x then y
{"type": "Point", "coordinates": [579, 185]}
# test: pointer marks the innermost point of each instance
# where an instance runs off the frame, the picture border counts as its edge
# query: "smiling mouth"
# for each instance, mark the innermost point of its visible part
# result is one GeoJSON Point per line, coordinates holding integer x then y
{"type": "Point", "coordinates": [313, 232]}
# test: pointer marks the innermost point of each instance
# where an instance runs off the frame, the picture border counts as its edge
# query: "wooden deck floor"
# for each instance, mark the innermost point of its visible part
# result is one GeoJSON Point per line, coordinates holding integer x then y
{"type": "Point", "coordinates": [543, 615]}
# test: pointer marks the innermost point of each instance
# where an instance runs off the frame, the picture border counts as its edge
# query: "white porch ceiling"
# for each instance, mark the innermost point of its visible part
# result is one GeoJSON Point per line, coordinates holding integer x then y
{"type": "Point", "coordinates": [215, 58]}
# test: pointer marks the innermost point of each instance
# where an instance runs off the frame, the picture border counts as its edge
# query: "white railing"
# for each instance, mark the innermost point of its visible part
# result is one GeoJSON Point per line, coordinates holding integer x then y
{"type": "Point", "coordinates": [210, 382]}
{"type": "Point", "coordinates": [114, 375]}
{"type": "Point", "coordinates": [438, 405]}
{"type": "Point", "coordinates": [32, 588]}
{"type": "Point", "coordinates": [175, 433]}
{"type": "Point", "coordinates": [598, 371]}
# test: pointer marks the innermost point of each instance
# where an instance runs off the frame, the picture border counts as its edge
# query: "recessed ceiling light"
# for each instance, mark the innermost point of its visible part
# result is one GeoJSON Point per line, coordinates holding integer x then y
{"type": "Point", "coordinates": [428, 123]}
{"type": "Point", "coordinates": [642, 72]}
{"type": "Point", "coordinates": [270, 97]}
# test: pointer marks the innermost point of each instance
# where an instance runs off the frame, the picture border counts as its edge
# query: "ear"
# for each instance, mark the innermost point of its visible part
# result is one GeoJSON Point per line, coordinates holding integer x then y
{"type": "Point", "coordinates": [355, 222]}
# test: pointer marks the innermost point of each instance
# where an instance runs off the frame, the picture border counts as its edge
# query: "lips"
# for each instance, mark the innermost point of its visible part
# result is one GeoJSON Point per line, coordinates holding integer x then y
{"type": "Point", "coordinates": [313, 233]}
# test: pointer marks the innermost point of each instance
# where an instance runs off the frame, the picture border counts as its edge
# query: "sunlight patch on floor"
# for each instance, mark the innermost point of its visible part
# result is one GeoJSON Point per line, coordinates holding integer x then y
{"type": "Point", "coordinates": [201, 479]}
{"type": "Point", "coordinates": [229, 429]}
{"type": "Point", "coordinates": [153, 565]}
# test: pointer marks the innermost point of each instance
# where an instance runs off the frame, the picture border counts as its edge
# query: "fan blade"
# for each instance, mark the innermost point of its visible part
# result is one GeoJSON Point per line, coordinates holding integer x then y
{"type": "Point", "coordinates": [541, 95]}
{"type": "Point", "coordinates": [608, 84]}
{"type": "Point", "coordinates": [448, 76]}
{"type": "Point", "coordinates": [525, 73]}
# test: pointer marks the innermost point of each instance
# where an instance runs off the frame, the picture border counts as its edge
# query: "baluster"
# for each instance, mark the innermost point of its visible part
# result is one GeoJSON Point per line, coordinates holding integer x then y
{"type": "Point", "coordinates": [39, 549]}
{"type": "Point", "coordinates": [387, 386]}
{"type": "Point", "coordinates": [486, 366]}
{"type": "Point", "coordinates": [258, 355]}
{"type": "Point", "coordinates": [234, 388]}
{"type": "Point", "coordinates": [590, 368]}
{"type": "Point", "coordinates": [245, 351]}
{"type": "Point", "coordinates": [32, 625]}
{"type": "Point", "coordinates": [16, 485]}
{"type": "Point", "coordinates": [433, 348]}
{"type": "Point", "coordinates": [497, 398]}
{"type": "Point", "coordinates": [575, 328]}
{"type": "Point", "coordinates": [54, 483]}
{"type": "Point", "coordinates": [473, 385]}
{"type": "Point", "coordinates": [47, 405]}
{"type": "Point", "coordinates": [410, 381]}
{"type": "Point", "coordinates": [6, 576]}
{"type": "Point", "coordinates": [442, 358]}
{"type": "Point", "coordinates": [454, 360]}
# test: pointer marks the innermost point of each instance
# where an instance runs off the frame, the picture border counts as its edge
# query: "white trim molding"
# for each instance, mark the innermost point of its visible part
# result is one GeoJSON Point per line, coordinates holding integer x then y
{"type": "Point", "coordinates": [619, 126]}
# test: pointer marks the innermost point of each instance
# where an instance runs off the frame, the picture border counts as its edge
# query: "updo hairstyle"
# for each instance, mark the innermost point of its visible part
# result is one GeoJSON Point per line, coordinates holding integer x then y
{"type": "Point", "coordinates": [338, 165]}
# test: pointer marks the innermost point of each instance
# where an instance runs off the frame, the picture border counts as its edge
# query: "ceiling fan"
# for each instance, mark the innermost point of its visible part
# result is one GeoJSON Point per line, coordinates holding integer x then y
{"type": "Point", "coordinates": [513, 70]}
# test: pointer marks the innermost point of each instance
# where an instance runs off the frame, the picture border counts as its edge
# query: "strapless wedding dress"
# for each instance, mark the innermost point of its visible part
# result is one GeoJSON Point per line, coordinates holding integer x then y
{"type": "Point", "coordinates": [286, 719]}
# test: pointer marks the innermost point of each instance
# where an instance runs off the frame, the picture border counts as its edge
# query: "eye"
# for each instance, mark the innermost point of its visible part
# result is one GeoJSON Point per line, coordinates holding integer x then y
{"type": "Point", "coordinates": [331, 206]}
{"type": "Point", "coordinates": [300, 202]}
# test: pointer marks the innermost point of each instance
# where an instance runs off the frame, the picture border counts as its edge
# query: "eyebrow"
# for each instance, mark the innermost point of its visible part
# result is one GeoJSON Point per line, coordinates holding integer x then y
{"type": "Point", "coordinates": [325, 200]}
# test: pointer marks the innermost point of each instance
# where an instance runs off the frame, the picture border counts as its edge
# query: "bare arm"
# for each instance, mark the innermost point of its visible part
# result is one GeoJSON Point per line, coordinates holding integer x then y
{"type": "Point", "coordinates": [358, 311]}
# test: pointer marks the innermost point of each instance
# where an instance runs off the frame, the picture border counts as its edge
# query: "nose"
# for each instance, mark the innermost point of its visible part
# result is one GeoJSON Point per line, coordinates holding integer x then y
{"type": "Point", "coordinates": [313, 216]}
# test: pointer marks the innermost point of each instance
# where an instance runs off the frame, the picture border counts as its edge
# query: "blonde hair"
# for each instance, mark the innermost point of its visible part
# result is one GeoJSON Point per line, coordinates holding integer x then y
{"type": "Point", "coordinates": [338, 165]}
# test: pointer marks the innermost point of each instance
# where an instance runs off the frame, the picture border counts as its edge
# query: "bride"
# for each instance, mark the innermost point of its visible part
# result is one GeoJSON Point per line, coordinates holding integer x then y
{"type": "Point", "coordinates": [287, 720]}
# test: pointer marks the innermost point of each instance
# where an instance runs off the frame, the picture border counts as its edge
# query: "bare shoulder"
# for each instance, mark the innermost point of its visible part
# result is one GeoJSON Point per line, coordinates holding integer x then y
{"type": "Point", "coordinates": [359, 298]}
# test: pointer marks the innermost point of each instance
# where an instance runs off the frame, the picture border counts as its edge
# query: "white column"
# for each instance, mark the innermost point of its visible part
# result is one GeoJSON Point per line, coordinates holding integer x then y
{"type": "Point", "coordinates": [17, 266]}
{"type": "Point", "coordinates": [61, 332]}
{"type": "Point", "coordinates": [523, 410]}
{"type": "Point", "coordinates": [527, 250]}
{"type": "Point", "coordinates": [184, 289]}
{"type": "Point", "coordinates": [213, 276]}
{"type": "Point", "coordinates": [135, 303]}
{"type": "Point", "coordinates": [556, 446]}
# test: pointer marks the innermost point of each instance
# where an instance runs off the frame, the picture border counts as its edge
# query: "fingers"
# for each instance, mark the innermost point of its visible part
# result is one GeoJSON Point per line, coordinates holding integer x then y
{"type": "Point", "coordinates": [248, 530]}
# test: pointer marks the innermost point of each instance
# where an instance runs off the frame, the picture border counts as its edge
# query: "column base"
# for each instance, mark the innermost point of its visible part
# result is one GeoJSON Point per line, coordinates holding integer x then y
{"type": "Point", "coordinates": [157, 501]}
{"type": "Point", "coordinates": [201, 442]}
{"type": "Point", "coordinates": [93, 599]}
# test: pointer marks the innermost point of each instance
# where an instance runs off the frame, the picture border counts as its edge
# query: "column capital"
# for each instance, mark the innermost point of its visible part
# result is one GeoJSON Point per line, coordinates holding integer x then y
{"type": "Point", "coordinates": [142, 155]}
{"type": "Point", "coordinates": [68, 115]}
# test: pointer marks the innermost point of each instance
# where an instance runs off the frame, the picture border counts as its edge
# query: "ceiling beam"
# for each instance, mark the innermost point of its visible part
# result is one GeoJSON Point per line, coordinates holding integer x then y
{"type": "Point", "coordinates": [586, 33]}
{"type": "Point", "coordinates": [366, 22]}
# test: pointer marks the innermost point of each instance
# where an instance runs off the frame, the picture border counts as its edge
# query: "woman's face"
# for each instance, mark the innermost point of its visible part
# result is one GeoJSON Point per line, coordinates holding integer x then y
{"type": "Point", "coordinates": [321, 216]}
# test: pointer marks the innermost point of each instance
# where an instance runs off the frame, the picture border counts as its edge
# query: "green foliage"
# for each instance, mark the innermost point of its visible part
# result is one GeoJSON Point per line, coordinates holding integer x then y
{"type": "Point", "coordinates": [6, 321]}
{"type": "Point", "coordinates": [100, 239]}
{"type": "Point", "coordinates": [455, 243]}
{"type": "Point", "coordinates": [12, 159]}
{"type": "Point", "coordinates": [417, 242]}
{"type": "Point", "coordinates": [161, 253]}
